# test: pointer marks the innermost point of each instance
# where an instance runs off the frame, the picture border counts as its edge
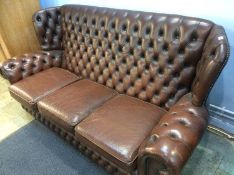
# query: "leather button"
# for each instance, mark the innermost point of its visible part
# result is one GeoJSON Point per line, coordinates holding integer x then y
{"type": "Point", "coordinates": [164, 42]}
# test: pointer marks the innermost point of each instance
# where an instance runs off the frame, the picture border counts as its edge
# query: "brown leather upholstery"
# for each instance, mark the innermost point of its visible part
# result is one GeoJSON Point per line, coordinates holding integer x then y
{"type": "Point", "coordinates": [70, 105]}
{"type": "Point", "coordinates": [174, 138]}
{"type": "Point", "coordinates": [214, 57]}
{"type": "Point", "coordinates": [28, 64]}
{"type": "Point", "coordinates": [47, 24]}
{"type": "Point", "coordinates": [157, 58]}
{"type": "Point", "coordinates": [31, 89]}
{"type": "Point", "coordinates": [149, 56]}
{"type": "Point", "coordinates": [119, 126]}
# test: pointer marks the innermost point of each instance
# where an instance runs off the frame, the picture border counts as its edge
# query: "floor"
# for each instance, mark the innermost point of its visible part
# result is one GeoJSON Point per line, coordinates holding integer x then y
{"type": "Point", "coordinates": [213, 156]}
{"type": "Point", "coordinates": [12, 116]}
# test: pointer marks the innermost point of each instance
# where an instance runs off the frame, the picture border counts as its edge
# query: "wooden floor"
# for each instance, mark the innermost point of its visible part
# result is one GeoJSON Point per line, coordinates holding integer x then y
{"type": "Point", "coordinates": [213, 156]}
{"type": "Point", "coordinates": [12, 116]}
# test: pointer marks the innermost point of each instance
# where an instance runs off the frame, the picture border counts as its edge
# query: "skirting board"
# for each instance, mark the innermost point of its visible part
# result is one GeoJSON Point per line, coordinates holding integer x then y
{"type": "Point", "coordinates": [221, 118]}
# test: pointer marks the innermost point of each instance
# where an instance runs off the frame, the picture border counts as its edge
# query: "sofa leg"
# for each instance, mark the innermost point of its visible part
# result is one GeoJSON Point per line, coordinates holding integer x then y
{"type": "Point", "coordinates": [151, 166]}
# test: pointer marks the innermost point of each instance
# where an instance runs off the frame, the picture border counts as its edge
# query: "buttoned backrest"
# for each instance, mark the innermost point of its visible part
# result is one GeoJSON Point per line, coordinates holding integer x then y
{"type": "Point", "coordinates": [149, 56]}
{"type": "Point", "coordinates": [47, 24]}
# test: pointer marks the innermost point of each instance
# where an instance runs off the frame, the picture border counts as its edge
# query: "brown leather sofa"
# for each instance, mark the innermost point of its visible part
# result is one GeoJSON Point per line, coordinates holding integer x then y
{"type": "Point", "coordinates": [126, 88]}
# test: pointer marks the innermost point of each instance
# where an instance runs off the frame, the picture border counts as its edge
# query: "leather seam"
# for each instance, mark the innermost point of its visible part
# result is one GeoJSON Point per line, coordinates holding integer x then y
{"type": "Point", "coordinates": [101, 147]}
{"type": "Point", "coordinates": [38, 98]}
{"type": "Point", "coordinates": [23, 98]}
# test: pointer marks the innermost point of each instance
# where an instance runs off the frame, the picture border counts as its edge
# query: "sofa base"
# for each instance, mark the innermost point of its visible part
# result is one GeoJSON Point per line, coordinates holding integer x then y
{"type": "Point", "coordinates": [110, 167]}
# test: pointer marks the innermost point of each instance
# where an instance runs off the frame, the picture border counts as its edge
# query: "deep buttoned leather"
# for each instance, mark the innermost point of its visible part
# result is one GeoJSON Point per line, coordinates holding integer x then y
{"type": "Point", "coordinates": [28, 64]}
{"type": "Point", "coordinates": [149, 56]}
{"type": "Point", "coordinates": [174, 138]}
{"type": "Point", "coordinates": [47, 24]}
{"type": "Point", "coordinates": [157, 58]}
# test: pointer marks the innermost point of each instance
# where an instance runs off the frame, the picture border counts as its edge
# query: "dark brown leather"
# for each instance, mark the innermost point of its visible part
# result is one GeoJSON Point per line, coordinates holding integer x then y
{"type": "Point", "coordinates": [157, 58]}
{"type": "Point", "coordinates": [28, 64]}
{"type": "Point", "coordinates": [173, 139]}
{"type": "Point", "coordinates": [214, 58]}
{"type": "Point", "coordinates": [31, 89]}
{"type": "Point", "coordinates": [70, 105]}
{"type": "Point", "coordinates": [149, 56]}
{"type": "Point", "coordinates": [47, 24]}
{"type": "Point", "coordinates": [119, 126]}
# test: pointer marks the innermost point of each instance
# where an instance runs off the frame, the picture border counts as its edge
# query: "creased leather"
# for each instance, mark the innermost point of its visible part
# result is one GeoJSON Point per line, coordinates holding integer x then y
{"type": "Point", "coordinates": [173, 139]}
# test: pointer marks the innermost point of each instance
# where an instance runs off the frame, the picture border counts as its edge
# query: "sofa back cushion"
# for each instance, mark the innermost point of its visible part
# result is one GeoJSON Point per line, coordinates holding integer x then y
{"type": "Point", "coordinates": [150, 56]}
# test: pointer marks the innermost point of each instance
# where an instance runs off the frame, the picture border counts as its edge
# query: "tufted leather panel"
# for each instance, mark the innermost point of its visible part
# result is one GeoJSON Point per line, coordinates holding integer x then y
{"type": "Point", "coordinates": [70, 105]}
{"type": "Point", "coordinates": [149, 56]}
{"type": "Point", "coordinates": [154, 57]}
{"type": "Point", "coordinates": [214, 58]}
{"type": "Point", "coordinates": [120, 132]}
{"type": "Point", "coordinates": [173, 139]}
{"type": "Point", "coordinates": [47, 24]}
{"type": "Point", "coordinates": [28, 64]}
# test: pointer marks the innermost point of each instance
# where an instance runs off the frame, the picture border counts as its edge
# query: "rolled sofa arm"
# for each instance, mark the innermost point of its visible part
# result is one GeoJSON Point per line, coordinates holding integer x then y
{"type": "Point", "coordinates": [17, 68]}
{"type": "Point", "coordinates": [173, 140]}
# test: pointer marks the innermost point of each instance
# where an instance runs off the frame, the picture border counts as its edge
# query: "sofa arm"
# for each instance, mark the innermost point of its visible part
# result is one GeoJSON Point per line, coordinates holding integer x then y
{"type": "Point", "coordinates": [214, 57]}
{"type": "Point", "coordinates": [172, 141]}
{"type": "Point", "coordinates": [17, 68]}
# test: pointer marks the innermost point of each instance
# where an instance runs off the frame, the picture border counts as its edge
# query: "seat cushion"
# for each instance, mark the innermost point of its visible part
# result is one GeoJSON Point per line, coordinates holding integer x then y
{"type": "Point", "coordinates": [71, 104]}
{"type": "Point", "coordinates": [119, 127]}
{"type": "Point", "coordinates": [33, 88]}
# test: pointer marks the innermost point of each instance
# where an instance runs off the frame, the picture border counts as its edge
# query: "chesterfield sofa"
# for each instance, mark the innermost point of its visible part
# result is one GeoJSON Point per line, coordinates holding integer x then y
{"type": "Point", "coordinates": [126, 88]}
